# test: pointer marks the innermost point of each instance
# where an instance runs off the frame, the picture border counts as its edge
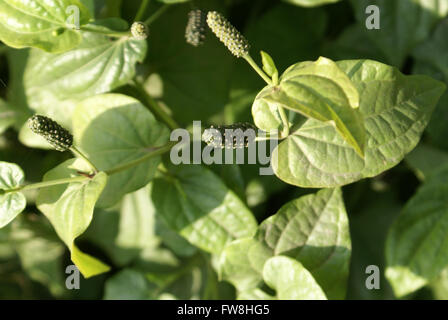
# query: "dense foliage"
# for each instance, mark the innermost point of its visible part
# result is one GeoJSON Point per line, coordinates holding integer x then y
{"type": "Point", "coordinates": [360, 173]}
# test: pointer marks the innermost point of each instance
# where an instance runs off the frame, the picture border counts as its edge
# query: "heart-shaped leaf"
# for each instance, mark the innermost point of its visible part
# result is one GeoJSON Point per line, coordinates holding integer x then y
{"type": "Point", "coordinates": [113, 129]}
{"type": "Point", "coordinates": [396, 109]}
{"type": "Point", "coordinates": [317, 90]}
{"type": "Point", "coordinates": [313, 230]}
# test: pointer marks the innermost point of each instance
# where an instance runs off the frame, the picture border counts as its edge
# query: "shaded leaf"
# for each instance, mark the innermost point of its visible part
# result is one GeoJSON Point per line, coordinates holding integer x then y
{"type": "Point", "coordinates": [416, 248]}
{"type": "Point", "coordinates": [112, 130]}
{"type": "Point", "coordinates": [196, 203]}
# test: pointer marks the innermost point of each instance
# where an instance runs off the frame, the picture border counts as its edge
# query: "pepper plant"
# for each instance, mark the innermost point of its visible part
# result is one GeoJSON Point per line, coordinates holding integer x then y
{"type": "Point", "coordinates": [359, 160]}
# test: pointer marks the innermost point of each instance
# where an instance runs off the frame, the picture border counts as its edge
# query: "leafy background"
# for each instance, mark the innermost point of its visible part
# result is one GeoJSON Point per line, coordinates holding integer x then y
{"type": "Point", "coordinates": [156, 237]}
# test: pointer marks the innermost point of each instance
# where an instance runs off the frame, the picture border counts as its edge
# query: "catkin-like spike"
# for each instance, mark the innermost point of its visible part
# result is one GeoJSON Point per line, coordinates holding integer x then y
{"type": "Point", "coordinates": [60, 138]}
{"type": "Point", "coordinates": [234, 136]}
{"type": "Point", "coordinates": [195, 31]}
{"type": "Point", "coordinates": [228, 34]}
{"type": "Point", "coordinates": [139, 30]}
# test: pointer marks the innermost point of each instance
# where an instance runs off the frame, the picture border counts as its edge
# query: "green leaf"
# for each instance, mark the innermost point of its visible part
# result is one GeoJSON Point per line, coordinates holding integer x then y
{"type": "Point", "coordinates": [310, 3]}
{"type": "Point", "coordinates": [41, 24]}
{"type": "Point", "coordinates": [313, 230]}
{"type": "Point", "coordinates": [268, 64]}
{"type": "Point", "coordinates": [12, 203]}
{"type": "Point", "coordinates": [291, 280]}
{"type": "Point", "coordinates": [424, 160]}
{"type": "Point", "coordinates": [416, 247]}
{"type": "Point", "coordinates": [128, 284]}
{"type": "Point", "coordinates": [196, 203]}
{"type": "Point", "coordinates": [431, 58]}
{"type": "Point", "coordinates": [55, 83]}
{"type": "Point", "coordinates": [318, 90]}
{"type": "Point", "coordinates": [242, 261]}
{"type": "Point", "coordinates": [403, 24]}
{"type": "Point", "coordinates": [396, 110]}
{"type": "Point", "coordinates": [7, 116]}
{"type": "Point", "coordinates": [112, 130]}
{"type": "Point", "coordinates": [70, 210]}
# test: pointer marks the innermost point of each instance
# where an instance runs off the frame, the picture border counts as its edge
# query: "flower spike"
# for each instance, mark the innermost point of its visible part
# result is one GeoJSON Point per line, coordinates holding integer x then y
{"type": "Point", "coordinates": [60, 138]}
{"type": "Point", "coordinates": [228, 34]}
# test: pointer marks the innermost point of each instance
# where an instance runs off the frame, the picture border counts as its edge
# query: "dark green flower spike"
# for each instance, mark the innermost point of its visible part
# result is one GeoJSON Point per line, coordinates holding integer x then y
{"type": "Point", "coordinates": [60, 138]}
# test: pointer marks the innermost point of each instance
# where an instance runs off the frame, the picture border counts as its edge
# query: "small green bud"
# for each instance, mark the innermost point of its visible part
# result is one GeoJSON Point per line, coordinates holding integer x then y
{"type": "Point", "coordinates": [234, 136]}
{"type": "Point", "coordinates": [195, 31]}
{"type": "Point", "coordinates": [60, 138]}
{"type": "Point", "coordinates": [228, 34]}
{"type": "Point", "coordinates": [139, 30]}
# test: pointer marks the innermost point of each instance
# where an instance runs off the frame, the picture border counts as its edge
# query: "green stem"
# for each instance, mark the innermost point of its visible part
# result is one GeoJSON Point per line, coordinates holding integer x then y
{"type": "Point", "coordinates": [155, 153]}
{"type": "Point", "coordinates": [285, 131]}
{"type": "Point", "coordinates": [257, 69]}
{"type": "Point", "coordinates": [78, 153]}
{"type": "Point", "coordinates": [154, 107]}
{"type": "Point", "coordinates": [114, 34]}
{"type": "Point", "coordinates": [141, 10]}
{"type": "Point", "coordinates": [156, 14]}
{"type": "Point", "coordinates": [47, 184]}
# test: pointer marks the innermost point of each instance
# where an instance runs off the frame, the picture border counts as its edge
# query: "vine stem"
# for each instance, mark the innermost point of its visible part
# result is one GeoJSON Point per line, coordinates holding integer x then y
{"type": "Point", "coordinates": [78, 153]}
{"type": "Point", "coordinates": [156, 152]}
{"type": "Point", "coordinates": [285, 131]}
{"type": "Point", "coordinates": [141, 10]}
{"type": "Point", "coordinates": [47, 184]}
{"type": "Point", "coordinates": [154, 107]}
{"type": "Point", "coordinates": [110, 34]}
{"type": "Point", "coordinates": [281, 110]}
{"type": "Point", "coordinates": [156, 14]}
{"type": "Point", "coordinates": [260, 72]}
